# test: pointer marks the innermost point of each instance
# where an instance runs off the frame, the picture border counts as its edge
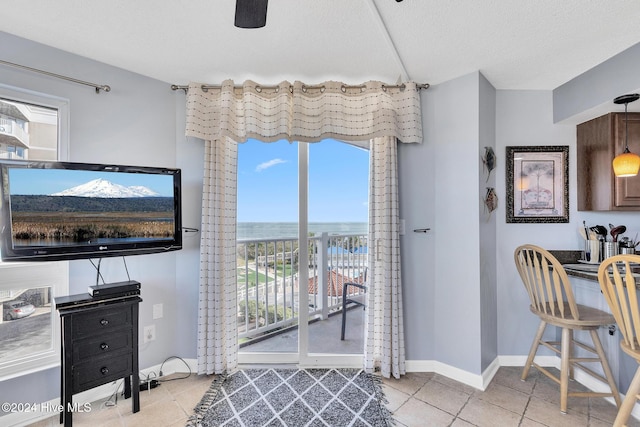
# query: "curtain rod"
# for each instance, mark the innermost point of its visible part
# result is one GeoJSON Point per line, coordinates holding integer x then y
{"type": "Point", "coordinates": [304, 88]}
{"type": "Point", "coordinates": [98, 87]}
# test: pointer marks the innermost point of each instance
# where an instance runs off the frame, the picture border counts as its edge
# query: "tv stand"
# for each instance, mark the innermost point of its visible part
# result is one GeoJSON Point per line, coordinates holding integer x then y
{"type": "Point", "coordinates": [99, 345]}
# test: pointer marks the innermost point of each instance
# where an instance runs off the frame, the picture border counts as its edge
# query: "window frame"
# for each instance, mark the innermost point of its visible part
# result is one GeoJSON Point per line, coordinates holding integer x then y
{"type": "Point", "coordinates": [38, 274]}
{"type": "Point", "coordinates": [35, 275]}
{"type": "Point", "coordinates": [36, 98]}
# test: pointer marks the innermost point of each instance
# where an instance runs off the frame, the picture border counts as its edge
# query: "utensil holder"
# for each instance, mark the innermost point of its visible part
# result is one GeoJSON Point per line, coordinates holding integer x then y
{"type": "Point", "coordinates": [629, 251]}
{"type": "Point", "coordinates": [592, 251]}
{"type": "Point", "coordinates": [610, 249]}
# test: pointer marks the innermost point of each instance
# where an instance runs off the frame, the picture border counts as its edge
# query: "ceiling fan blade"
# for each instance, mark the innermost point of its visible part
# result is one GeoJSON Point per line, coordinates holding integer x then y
{"type": "Point", "coordinates": [251, 13]}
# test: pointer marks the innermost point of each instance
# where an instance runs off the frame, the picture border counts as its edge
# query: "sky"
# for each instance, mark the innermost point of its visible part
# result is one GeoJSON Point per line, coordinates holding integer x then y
{"type": "Point", "coordinates": [48, 181]}
{"type": "Point", "coordinates": [268, 182]}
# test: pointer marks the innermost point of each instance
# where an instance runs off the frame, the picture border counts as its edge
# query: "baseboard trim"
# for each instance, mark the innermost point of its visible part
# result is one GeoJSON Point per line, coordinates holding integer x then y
{"type": "Point", "coordinates": [457, 374]}
{"type": "Point", "coordinates": [482, 381]}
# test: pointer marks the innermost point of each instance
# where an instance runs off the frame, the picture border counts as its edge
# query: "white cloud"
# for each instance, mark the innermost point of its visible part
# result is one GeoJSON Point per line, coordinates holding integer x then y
{"type": "Point", "coordinates": [266, 165]}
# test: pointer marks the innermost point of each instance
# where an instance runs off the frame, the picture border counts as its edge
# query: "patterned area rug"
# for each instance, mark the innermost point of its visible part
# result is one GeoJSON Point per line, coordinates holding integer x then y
{"type": "Point", "coordinates": [293, 398]}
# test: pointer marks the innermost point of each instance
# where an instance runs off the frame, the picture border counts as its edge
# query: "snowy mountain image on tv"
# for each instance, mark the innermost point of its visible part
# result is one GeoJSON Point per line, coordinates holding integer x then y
{"type": "Point", "coordinates": [102, 188]}
{"type": "Point", "coordinates": [95, 210]}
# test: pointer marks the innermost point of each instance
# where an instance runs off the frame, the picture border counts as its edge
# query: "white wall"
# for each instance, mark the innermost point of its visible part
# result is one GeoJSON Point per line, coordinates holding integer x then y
{"type": "Point", "coordinates": [416, 173]}
{"type": "Point", "coordinates": [454, 136]}
{"type": "Point", "coordinates": [449, 274]}
{"type": "Point", "coordinates": [189, 158]}
{"type": "Point", "coordinates": [526, 118]}
{"type": "Point", "coordinates": [591, 94]}
{"type": "Point", "coordinates": [488, 224]}
{"type": "Point", "coordinates": [135, 123]}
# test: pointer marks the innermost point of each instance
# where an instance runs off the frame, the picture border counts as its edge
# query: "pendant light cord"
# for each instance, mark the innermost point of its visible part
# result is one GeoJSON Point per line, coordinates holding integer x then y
{"type": "Point", "coordinates": [626, 129]}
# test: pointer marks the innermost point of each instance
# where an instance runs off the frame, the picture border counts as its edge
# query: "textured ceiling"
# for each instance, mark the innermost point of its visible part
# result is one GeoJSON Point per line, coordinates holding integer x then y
{"type": "Point", "coordinates": [516, 44]}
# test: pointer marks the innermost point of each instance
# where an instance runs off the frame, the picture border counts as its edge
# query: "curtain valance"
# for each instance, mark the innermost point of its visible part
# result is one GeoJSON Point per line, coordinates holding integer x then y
{"type": "Point", "coordinates": [298, 112]}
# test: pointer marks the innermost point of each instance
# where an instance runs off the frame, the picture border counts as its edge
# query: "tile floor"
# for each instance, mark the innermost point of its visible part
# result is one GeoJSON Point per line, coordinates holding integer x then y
{"type": "Point", "coordinates": [427, 399]}
{"type": "Point", "coordinates": [417, 399]}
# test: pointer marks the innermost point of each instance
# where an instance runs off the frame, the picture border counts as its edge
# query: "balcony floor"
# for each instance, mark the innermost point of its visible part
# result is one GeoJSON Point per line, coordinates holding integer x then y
{"type": "Point", "coordinates": [324, 337]}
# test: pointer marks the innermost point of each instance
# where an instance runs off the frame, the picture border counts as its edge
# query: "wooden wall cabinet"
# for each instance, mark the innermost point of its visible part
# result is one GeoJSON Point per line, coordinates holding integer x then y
{"type": "Point", "coordinates": [598, 141]}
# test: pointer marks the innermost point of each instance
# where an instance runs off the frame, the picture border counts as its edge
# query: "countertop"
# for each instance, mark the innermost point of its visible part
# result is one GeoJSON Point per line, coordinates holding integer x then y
{"type": "Point", "coordinates": [569, 260]}
{"type": "Point", "coordinates": [583, 271]}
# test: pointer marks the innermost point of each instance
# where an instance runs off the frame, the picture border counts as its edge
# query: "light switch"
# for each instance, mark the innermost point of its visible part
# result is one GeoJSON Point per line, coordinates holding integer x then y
{"type": "Point", "coordinates": [157, 311]}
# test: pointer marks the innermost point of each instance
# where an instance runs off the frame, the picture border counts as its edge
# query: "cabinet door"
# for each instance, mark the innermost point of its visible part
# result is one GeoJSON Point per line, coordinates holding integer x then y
{"type": "Point", "coordinates": [595, 148]}
{"type": "Point", "coordinates": [627, 190]}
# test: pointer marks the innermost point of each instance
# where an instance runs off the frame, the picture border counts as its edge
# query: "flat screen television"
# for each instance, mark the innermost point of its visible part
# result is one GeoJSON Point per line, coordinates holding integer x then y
{"type": "Point", "coordinates": [62, 211]}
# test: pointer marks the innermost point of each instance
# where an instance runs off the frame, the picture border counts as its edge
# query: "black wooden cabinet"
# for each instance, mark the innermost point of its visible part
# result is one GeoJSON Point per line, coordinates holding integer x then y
{"type": "Point", "coordinates": [99, 345]}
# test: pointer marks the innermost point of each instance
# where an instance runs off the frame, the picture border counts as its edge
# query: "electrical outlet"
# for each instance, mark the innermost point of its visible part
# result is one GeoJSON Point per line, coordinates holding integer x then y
{"type": "Point", "coordinates": [149, 333]}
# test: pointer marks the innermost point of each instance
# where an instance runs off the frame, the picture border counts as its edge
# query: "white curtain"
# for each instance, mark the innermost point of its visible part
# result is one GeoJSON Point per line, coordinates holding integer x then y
{"type": "Point", "coordinates": [217, 306]}
{"type": "Point", "coordinates": [298, 112]}
{"type": "Point", "coordinates": [384, 332]}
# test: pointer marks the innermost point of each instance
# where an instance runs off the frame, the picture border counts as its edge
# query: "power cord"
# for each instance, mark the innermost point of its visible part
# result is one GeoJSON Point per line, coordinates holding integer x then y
{"type": "Point", "coordinates": [113, 399]}
{"type": "Point", "coordinates": [148, 385]}
{"type": "Point", "coordinates": [151, 380]}
{"type": "Point", "coordinates": [177, 378]}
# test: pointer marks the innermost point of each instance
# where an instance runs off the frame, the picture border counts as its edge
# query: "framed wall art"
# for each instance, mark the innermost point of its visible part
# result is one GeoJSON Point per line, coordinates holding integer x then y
{"type": "Point", "coordinates": [537, 184]}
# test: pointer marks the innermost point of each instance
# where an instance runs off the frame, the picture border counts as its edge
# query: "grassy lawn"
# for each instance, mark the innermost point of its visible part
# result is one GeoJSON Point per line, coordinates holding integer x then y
{"type": "Point", "coordinates": [252, 277]}
{"type": "Point", "coordinates": [284, 270]}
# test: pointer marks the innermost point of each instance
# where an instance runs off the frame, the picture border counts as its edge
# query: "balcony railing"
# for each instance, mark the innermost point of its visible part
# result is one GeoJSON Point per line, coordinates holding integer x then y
{"type": "Point", "coordinates": [268, 283]}
{"type": "Point", "coordinates": [12, 133]}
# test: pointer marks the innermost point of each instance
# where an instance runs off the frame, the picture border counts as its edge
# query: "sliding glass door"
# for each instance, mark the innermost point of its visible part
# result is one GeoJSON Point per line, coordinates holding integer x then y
{"type": "Point", "coordinates": [302, 229]}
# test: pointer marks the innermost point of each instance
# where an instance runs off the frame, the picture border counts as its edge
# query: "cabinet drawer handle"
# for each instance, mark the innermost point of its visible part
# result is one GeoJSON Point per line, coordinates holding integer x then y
{"type": "Point", "coordinates": [104, 370]}
{"type": "Point", "coordinates": [104, 322]}
{"type": "Point", "coordinates": [104, 346]}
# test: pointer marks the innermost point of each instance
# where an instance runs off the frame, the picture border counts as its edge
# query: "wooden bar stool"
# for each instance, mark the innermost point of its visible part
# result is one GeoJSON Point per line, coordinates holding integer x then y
{"type": "Point", "coordinates": [552, 300]}
{"type": "Point", "coordinates": [618, 283]}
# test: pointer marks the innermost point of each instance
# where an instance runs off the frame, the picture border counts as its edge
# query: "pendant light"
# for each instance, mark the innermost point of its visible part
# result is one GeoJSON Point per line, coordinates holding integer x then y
{"type": "Point", "coordinates": [627, 163]}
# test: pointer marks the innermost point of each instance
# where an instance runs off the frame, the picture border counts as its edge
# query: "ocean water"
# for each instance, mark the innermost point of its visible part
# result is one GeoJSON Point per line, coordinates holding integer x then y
{"type": "Point", "coordinates": [278, 230]}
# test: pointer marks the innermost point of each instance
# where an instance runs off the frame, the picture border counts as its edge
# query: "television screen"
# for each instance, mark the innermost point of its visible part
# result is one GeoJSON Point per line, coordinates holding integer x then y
{"type": "Point", "coordinates": [57, 210]}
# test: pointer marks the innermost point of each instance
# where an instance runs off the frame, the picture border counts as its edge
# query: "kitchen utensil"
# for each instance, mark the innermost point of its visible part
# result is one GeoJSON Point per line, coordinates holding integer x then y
{"type": "Point", "coordinates": [616, 231]}
{"type": "Point", "coordinates": [583, 233]}
{"type": "Point", "coordinates": [600, 230]}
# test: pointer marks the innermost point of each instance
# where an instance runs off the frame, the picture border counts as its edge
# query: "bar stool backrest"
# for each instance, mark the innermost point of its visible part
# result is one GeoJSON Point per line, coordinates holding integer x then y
{"type": "Point", "coordinates": [546, 282]}
{"type": "Point", "coordinates": [618, 283]}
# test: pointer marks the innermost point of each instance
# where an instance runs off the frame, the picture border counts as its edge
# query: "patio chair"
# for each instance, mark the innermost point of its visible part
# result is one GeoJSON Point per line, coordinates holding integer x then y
{"type": "Point", "coordinates": [358, 299]}
{"type": "Point", "coordinates": [618, 283]}
{"type": "Point", "coordinates": [552, 300]}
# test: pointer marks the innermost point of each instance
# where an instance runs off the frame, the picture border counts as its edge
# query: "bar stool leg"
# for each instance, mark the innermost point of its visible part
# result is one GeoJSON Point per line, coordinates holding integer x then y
{"type": "Point", "coordinates": [629, 401]}
{"type": "Point", "coordinates": [564, 368]}
{"type": "Point", "coordinates": [534, 349]}
{"type": "Point", "coordinates": [605, 366]}
{"type": "Point", "coordinates": [571, 367]}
